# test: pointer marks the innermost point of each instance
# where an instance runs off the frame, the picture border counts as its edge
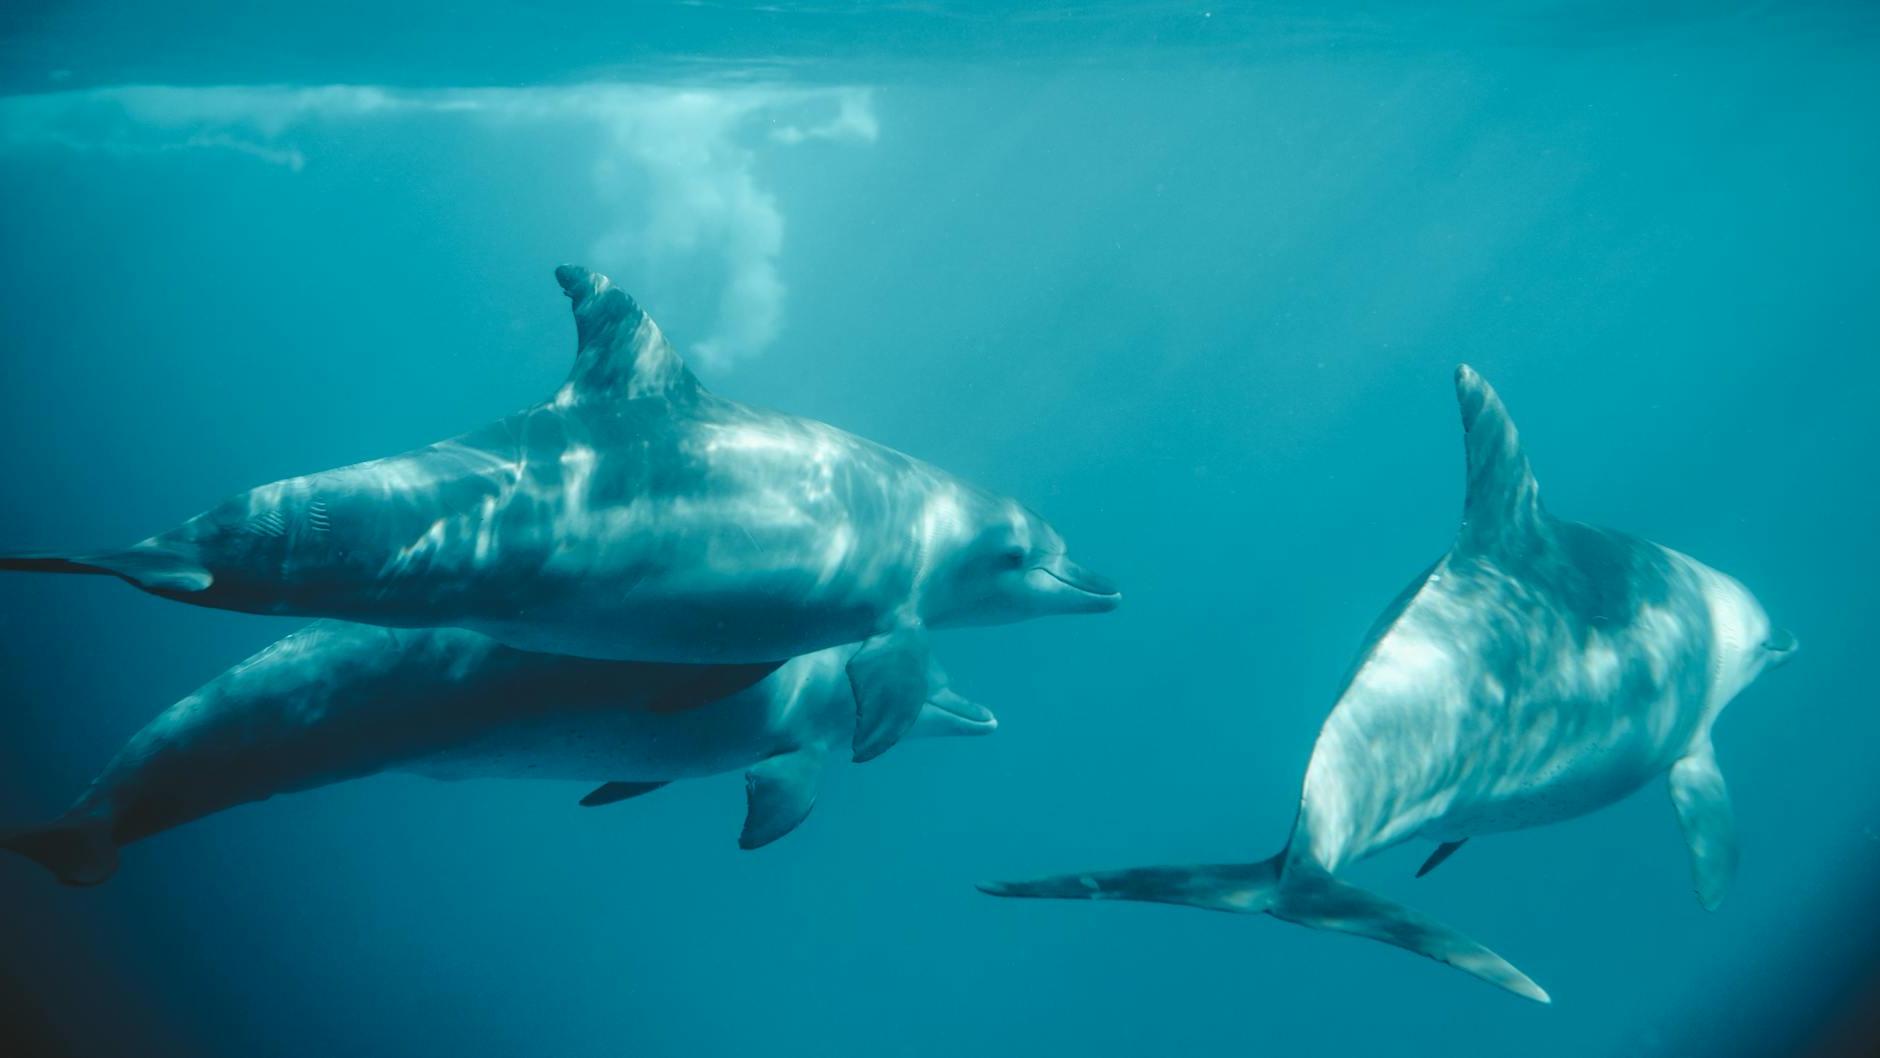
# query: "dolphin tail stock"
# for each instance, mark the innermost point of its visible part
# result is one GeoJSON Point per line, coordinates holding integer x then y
{"type": "Point", "coordinates": [1294, 890]}
{"type": "Point", "coordinates": [78, 849]}
{"type": "Point", "coordinates": [150, 566]}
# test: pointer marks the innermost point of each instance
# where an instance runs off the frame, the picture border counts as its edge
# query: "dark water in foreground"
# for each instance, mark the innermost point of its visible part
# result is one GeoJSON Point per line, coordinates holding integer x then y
{"type": "Point", "coordinates": [1189, 284]}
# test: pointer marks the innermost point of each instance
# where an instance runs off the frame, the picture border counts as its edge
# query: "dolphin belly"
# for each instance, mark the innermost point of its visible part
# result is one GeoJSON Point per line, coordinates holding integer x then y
{"type": "Point", "coordinates": [1577, 783]}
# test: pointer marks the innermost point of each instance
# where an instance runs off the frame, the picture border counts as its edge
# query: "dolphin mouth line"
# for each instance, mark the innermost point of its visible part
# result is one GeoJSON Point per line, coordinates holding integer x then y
{"type": "Point", "coordinates": [1094, 593]}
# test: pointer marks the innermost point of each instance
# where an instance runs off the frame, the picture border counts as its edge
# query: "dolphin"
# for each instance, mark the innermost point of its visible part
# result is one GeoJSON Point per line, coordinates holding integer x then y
{"type": "Point", "coordinates": [1540, 670]}
{"type": "Point", "coordinates": [337, 701]}
{"type": "Point", "coordinates": [634, 516]}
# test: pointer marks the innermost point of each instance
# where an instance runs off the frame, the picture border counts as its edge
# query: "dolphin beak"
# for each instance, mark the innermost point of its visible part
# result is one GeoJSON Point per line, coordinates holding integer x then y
{"type": "Point", "coordinates": [1074, 588]}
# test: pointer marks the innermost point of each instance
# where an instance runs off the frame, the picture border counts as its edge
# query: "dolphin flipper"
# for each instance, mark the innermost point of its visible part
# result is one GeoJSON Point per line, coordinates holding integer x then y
{"type": "Point", "coordinates": [779, 792]}
{"type": "Point", "coordinates": [1443, 852]}
{"type": "Point", "coordinates": [612, 792]}
{"type": "Point", "coordinates": [1703, 804]}
{"type": "Point", "coordinates": [892, 676]}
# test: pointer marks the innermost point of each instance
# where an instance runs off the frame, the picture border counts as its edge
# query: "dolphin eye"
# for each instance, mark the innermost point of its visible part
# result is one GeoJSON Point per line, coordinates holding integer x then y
{"type": "Point", "coordinates": [1012, 558]}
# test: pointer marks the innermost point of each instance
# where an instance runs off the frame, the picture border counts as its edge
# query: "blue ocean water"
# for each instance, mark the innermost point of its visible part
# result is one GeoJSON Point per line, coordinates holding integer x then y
{"type": "Point", "coordinates": [1189, 282]}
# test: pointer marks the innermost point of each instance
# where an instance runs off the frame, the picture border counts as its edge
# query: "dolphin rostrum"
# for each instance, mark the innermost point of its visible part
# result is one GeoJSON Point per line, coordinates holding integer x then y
{"type": "Point", "coordinates": [634, 516]}
{"type": "Point", "coordinates": [337, 701]}
{"type": "Point", "coordinates": [1540, 670]}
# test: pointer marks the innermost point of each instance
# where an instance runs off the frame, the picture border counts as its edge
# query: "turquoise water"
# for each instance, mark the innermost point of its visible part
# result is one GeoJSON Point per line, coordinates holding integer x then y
{"type": "Point", "coordinates": [1190, 283]}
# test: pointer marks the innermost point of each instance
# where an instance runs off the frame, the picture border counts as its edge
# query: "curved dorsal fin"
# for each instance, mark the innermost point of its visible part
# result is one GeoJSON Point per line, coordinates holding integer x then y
{"type": "Point", "coordinates": [1504, 501]}
{"type": "Point", "coordinates": [621, 353]}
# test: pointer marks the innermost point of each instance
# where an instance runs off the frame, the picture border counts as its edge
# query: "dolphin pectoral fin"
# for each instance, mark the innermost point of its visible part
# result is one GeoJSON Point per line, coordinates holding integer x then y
{"type": "Point", "coordinates": [779, 792]}
{"type": "Point", "coordinates": [611, 792]}
{"type": "Point", "coordinates": [1703, 804]}
{"type": "Point", "coordinates": [946, 714]}
{"type": "Point", "coordinates": [892, 677]}
{"type": "Point", "coordinates": [1443, 852]}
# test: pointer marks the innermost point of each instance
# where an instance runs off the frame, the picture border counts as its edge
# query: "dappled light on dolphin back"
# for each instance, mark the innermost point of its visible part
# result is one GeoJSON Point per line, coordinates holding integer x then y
{"type": "Point", "coordinates": [635, 516]}
{"type": "Point", "coordinates": [1540, 670]}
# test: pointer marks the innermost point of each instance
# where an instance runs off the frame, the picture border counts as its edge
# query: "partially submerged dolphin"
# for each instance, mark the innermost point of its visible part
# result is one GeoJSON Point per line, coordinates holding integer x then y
{"type": "Point", "coordinates": [634, 517]}
{"type": "Point", "coordinates": [338, 701]}
{"type": "Point", "coordinates": [1538, 671]}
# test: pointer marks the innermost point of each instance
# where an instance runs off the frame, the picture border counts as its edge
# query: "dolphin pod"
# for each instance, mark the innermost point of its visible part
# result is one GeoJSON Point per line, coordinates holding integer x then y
{"type": "Point", "coordinates": [338, 701]}
{"type": "Point", "coordinates": [634, 516]}
{"type": "Point", "coordinates": [1539, 670]}
{"type": "Point", "coordinates": [638, 582]}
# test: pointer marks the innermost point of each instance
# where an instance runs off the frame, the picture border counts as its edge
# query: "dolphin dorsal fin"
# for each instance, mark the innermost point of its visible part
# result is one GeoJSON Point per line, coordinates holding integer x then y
{"type": "Point", "coordinates": [1504, 501]}
{"type": "Point", "coordinates": [621, 353]}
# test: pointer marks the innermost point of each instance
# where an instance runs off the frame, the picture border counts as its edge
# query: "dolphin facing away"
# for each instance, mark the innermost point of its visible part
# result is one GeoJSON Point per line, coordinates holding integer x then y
{"type": "Point", "coordinates": [338, 701]}
{"type": "Point", "coordinates": [1538, 671]}
{"type": "Point", "coordinates": [634, 517]}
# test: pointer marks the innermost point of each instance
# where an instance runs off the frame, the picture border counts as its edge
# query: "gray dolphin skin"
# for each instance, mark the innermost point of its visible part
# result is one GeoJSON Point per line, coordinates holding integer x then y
{"type": "Point", "coordinates": [338, 701]}
{"type": "Point", "coordinates": [1540, 670]}
{"type": "Point", "coordinates": [634, 516]}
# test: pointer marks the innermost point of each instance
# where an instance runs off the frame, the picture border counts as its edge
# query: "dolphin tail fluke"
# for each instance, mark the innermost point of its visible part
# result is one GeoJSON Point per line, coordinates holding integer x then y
{"type": "Point", "coordinates": [152, 567]}
{"type": "Point", "coordinates": [1323, 902]}
{"type": "Point", "coordinates": [78, 850]}
{"type": "Point", "coordinates": [1295, 892]}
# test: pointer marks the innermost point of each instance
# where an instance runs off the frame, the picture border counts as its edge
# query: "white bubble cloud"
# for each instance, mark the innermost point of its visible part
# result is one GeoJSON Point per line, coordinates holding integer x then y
{"type": "Point", "coordinates": [676, 165]}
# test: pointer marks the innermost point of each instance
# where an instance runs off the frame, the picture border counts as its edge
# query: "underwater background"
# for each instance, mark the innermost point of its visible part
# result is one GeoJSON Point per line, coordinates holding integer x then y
{"type": "Point", "coordinates": [1189, 282]}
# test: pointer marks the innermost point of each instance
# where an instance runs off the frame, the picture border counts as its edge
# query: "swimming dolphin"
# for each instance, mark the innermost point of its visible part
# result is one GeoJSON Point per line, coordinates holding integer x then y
{"type": "Point", "coordinates": [338, 701]}
{"type": "Point", "coordinates": [1538, 671]}
{"type": "Point", "coordinates": [634, 517]}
